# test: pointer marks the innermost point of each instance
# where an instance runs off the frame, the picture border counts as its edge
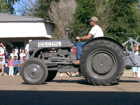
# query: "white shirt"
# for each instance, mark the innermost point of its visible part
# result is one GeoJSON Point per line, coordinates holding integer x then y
{"type": "Point", "coordinates": [1, 50]}
{"type": "Point", "coordinates": [13, 54]}
{"type": "Point", "coordinates": [96, 31]}
{"type": "Point", "coordinates": [2, 62]}
{"type": "Point", "coordinates": [22, 55]}
{"type": "Point", "coordinates": [27, 48]}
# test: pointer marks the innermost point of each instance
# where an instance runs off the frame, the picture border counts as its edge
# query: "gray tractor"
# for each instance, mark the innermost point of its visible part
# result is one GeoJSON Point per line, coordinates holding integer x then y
{"type": "Point", "coordinates": [102, 63]}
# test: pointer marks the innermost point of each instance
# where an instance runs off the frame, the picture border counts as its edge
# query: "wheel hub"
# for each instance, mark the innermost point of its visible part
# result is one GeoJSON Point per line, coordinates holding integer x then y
{"type": "Point", "coordinates": [33, 71]}
{"type": "Point", "coordinates": [102, 63]}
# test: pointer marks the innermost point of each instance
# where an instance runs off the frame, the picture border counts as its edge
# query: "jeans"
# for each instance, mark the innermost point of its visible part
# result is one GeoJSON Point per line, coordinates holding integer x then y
{"type": "Point", "coordinates": [16, 70]}
{"type": "Point", "coordinates": [6, 70]}
{"type": "Point", "coordinates": [79, 47]}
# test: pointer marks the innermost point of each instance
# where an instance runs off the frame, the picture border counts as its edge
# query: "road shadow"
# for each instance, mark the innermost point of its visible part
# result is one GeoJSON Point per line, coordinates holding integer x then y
{"type": "Point", "coordinates": [129, 81]}
{"type": "Point", "coordinates": [68, 98]}
{"type": "Point", "coordinates": [30, 84]}
{"type": "Point", "coordinates": [79, 81]}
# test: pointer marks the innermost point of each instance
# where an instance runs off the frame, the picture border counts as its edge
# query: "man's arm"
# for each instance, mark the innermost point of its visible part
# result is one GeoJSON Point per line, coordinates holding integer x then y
{"type": "Point", "coordinates": [2, 65]}
{"type": "Point", "coordinates": [3, 46]}
{"type": "Point", "coordinates": [85, 37]}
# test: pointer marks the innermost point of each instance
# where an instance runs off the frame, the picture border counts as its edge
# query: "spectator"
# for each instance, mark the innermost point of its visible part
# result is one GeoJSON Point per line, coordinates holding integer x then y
{"type": "Point", "coordinates": [11, 65]}
{"type": "Point", "coordinates": [7, 70]}
{"type": "Point", "coordinates": [2, 63]}
{"type": "Point", "coordinates": [6, 55]}
{"type": "Point", "coordinates": [22, 54]}
{"type": "Point", "coordinates": [22, 61]}
{"type": "Point", "coordinates": [27, 49]}
{"type": "Point", "coordinates": [135, 69]}
{"type": "Point", "coordinates": [2, 48]}
{"type": "Point", "coordinates": [16, 65]}
{"type": "Point", "coordinates": [13, 54]}
{"type": "Point", "coordinates": [1, 45]}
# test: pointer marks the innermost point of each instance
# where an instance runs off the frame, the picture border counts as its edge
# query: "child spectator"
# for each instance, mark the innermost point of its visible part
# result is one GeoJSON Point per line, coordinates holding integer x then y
{"type": "Point", "coordinates": [2, 63]}
{"type": "Point", "coordinates": [13, 54]}
{"type": "Point", "coordinates": [22, 54]}
{"type": "Point", "coordinates": [135, 69]}
{"type": "Point", "coordinates": [10, 65]}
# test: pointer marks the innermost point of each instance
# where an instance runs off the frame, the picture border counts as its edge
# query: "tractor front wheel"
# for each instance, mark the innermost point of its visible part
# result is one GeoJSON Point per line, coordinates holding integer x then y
{"type": "Point", "coordinates": [34, 71]}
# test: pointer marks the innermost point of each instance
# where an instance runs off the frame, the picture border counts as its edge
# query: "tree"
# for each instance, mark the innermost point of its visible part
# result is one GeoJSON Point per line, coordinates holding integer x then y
{"type": "Point", "coordinates": [114, 16]}
{"type": "Point", "coordinates": [43, 8]}
{"type": "Point", "coordinates": [61, 13]}
{"type": "Point", "coordinates": [84, 11]}
{"type": "Point", "coordinates": [126, 19]}
{"type": "Point", "coordinates": [103, 9]}
{"type": "Point", "coordinates": [6, 6]}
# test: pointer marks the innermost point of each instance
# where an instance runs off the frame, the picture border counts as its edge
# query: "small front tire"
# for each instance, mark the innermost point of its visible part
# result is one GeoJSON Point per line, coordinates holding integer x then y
{"type": "Point", "coordinates": [34, 71]}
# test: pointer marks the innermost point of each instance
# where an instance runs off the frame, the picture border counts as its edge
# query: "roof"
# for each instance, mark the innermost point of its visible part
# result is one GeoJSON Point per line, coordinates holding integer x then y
{"type": "Point", "coordinates": [15, 18]}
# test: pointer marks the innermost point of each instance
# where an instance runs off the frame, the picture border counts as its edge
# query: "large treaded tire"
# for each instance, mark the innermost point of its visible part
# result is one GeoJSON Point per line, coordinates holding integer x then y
{"type": "Point", "coordinates": [34, 71]}
{"type": "Point", "coordinates": [102, 62]}
{"type": "Point", "coordinates": [51, 76]}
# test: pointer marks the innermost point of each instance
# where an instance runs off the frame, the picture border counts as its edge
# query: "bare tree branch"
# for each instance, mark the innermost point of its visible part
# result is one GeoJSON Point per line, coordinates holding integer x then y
{"type": "Point", "coordinates": [104, 11]}
{"type": "Point", "coordinates": [62, 14]}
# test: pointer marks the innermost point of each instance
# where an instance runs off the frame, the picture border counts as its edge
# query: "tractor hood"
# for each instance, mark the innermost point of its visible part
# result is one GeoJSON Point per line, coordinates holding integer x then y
{"type": "Point", "coordinates": [51, 43]}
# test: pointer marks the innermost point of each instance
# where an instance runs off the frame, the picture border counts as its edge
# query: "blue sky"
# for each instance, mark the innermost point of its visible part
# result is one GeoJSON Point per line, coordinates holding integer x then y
{"type": "Point", "coordinates": [20, 5]}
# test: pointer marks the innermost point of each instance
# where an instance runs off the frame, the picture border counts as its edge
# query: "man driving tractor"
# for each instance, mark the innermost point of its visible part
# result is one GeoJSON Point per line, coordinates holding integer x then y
{"type": "Point", "coordinates": [95, 31]}
{"type": "Point", "coordinates": [101, 62]}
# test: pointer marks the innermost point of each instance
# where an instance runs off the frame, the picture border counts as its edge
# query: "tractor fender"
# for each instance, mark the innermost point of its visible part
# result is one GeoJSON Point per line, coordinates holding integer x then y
{"type": "Point", "coordinates": [103, 38]}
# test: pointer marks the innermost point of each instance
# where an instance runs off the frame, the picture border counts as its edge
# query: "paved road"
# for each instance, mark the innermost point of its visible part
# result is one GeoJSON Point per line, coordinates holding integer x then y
{"type": "Point", "coordinates": [68, 91]}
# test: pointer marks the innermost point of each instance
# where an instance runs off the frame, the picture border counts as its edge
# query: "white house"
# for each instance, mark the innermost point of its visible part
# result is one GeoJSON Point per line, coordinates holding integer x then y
{"type": "Point", "coordinates": [15, 31]}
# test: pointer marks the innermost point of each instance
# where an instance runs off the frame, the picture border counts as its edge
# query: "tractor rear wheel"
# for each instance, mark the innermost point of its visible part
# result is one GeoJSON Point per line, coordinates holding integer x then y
{"type": "Point", "coordinates": [34, 71]}
{"type": "Point", "coordinates": [102, 62]}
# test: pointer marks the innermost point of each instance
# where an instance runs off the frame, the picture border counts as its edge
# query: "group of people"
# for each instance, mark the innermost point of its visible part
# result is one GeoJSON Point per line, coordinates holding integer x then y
{"type": "Point", "coordinates": [11, 62]}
